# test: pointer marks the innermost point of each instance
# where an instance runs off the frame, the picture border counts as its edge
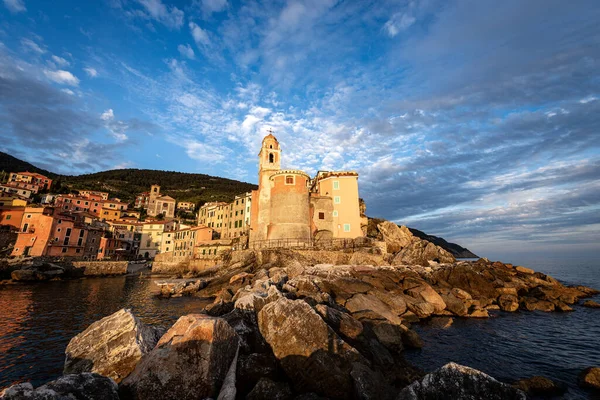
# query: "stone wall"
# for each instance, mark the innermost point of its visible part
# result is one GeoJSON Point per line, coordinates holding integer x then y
{"type": "Point", "coordinates": [100, 268]}
{"type": "Point", "coordinates": [199, 265]}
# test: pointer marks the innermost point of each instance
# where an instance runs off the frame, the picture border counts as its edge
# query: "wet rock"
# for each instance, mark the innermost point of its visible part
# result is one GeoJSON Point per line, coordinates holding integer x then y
{"type": "Point", "coordinates": [268, 389]}
{"type": "Point", "coordinates": [508, 302]}
{"type": "Point", "coordinates": [84, 386]}
{"type": "Point", "coordinates": [454, 381]}
{"type": "Point", "coordinates": [478, 313]}
{"type": "Point", "coordinates": [590, 378]}
{"type": "Point", "coordinates": [180, 287]}
{"type": "Point", "coordinates": [190, 361]}
{"type": "Point", "coordinates": [222, 304]}
{"type": "Point", "coordinates": [312, 355]}
{"type": "Point", "coordinates": [539, 386]}
{"type": "Point", "coordinates": [442, 322]}
{"type": "Point", "coordinates": [111, 346]}
{"type": "Point", "coordinates": [591, 304]}
{"type": "Point", "coordinates": [389, 335]}
{"type": "Point", "coordinates": [411, 339]}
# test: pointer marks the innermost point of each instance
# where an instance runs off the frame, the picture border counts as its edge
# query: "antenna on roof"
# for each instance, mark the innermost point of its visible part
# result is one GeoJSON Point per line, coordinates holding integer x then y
{"type": "Point", "coordinates": [270, 131]}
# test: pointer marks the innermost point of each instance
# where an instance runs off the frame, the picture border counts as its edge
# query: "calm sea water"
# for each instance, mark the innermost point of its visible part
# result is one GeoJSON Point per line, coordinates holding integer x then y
{"type": "Point", "coordinates": [37, 322]}
{"type": "Point", "coordinates": [510, 346]}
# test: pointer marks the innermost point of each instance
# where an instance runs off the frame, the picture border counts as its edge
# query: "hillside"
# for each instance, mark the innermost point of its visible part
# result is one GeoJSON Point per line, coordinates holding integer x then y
{"type": "Point", "coordinates": [9, 163]}
{"type": "Point", "coordinates": [125, 184]}
{"type": "Point", "coordinates": [456, 250]}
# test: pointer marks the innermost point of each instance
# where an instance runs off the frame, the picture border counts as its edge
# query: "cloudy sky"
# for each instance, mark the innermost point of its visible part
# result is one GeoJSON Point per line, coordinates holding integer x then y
{"type": "Point", "coordinates": [475, 120]}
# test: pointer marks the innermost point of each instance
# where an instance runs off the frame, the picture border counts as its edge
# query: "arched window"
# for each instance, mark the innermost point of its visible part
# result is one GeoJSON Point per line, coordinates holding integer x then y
{"type": "Point", "coordinates": [271, 146]}
{"type": "Point", "coordinates": [271, 158]}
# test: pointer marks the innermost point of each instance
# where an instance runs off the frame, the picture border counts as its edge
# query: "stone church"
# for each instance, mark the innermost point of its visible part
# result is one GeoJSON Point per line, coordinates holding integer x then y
{"type": "Point", "coordinates": [290, 205]}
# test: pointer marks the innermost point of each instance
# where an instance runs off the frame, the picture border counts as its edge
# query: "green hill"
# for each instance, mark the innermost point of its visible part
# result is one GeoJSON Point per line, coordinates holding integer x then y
{"type": "Point", "coordinates": [125, 184]}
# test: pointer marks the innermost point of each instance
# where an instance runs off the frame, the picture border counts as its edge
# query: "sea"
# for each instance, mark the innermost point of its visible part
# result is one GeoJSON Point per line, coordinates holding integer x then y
{"type": "Point", "coordinates": [38, 320]}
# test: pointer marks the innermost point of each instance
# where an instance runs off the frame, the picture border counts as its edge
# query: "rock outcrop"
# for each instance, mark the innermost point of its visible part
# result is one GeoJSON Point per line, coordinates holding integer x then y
{"type": "Point", "coordinates": [85, 386]}
{"type": "Point", "coordinates": [539, 386]}
{"type": "Point", "coordinates": [111, 346]}
{"type": "Point", "coordinates": [191, 360]}
{"type": "Point", "coordinates": [454, 381]}
{"type": "Point", "coordinates": [410, 249]}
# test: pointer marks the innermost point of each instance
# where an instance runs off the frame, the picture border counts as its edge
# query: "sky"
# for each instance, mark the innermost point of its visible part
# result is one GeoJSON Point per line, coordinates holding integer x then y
{"type": "Point", "coordinates": [478, 121]}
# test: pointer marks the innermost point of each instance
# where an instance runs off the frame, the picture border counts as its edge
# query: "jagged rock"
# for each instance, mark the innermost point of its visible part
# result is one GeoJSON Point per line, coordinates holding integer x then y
{"type": "Point", "coordinates": [222, 304]}
{"type": "Point", "coordinates": [190, 361]}
{"type": "Point", "coordinates": [84, 386]}
{"type": "Point", "coordinates": [340, 321]}
{"type": "Point", "coordinates": [245, 325]}
{"type": "Point", "coordinates": [241, 279]}
{"type": "Point", "coordinates": [421, 309]}
{"type": "Point", "coordinates": [180, 287]}
{"type": "Point", "coordinates": [591, 304]}
{"type": "Point", "coordinates": [461, 294]}
{"type": "Point", "coordinates": [590, 378]}
{"type": "Point", "coordinates": [256, 299]}
{"type": "Point", "coordinates": [389, 335]}
{"type": "Point", "coordinates": [395, 237]}
{"type": "Point", "coordinates": [427, 294]}
{"type": "Point", "coordinates": [269, 389]}
{"type": "Point", "coordinates": [457, 382]}
{"type": "Point", "coordinates": [366, 302]}
{"type": "Point", "coordinates": [539, 386]}
{"type": "Point", "coordinates": [23, 275]}
{"type": "Point", "coordinates": [478, 313]}
{"type": "Point", "coordinates": [508, 302]}
{"type": "Point", "coordinates": [396, 303]}
{"type": "Point", "coordinates": [442, 322]}
{"type": "Point", "coordinates": [111, 346]}
{"type": "Point", "coordinates": [312, 355]}
{"type": "Point", "coordinates": [420, 252]}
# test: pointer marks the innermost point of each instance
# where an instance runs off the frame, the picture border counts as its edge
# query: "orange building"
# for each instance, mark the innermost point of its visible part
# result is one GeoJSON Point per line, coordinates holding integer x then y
{"type": "Point", "coordinates": [11, 216]}
{"type": "Point", "coordinates": [41, 182]}
{"type": "Point", "coordinates": [34, 232]}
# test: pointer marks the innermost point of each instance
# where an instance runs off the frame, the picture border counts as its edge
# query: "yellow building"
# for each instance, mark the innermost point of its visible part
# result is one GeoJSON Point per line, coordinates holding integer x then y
{"type": "Point", "coordinates": [158, 204]}
{"type": "Point", "coordinates": [213, 215]}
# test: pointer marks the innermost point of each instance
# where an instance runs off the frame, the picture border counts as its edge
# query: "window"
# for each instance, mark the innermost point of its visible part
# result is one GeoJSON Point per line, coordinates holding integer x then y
{"type": "Point", "coordinates": [81, 233]}
{"type": "Point", "coordinates": [289, 180]}
{"type": "Point", "coordinates": [337, 200]}
{"type": "Point", "coordinates": [271, 158]}
{"type": "Point", "coordinates": [336, 185]}
{"type": "Point", "coordinates": [25, 227]}
{"type": "Point", "coordinates": [28, 215]}
{"type": "Point", "coordinates": [59, 221]}
{"type": "Point", "coordinates": [64, 250]}
{"type": "Point", "coordinates": [8, 216]}
{"type": "Point", "coordinates": [321, 215]}
{"type": "Point", "coordinates": [66, 242]}
{"type": "Point", "coordinates": [68, 233]}
{"type": "Point", "coordinates": [335, 213]}
{"type": "Point", "coordinates": [77, 250]}
{"type": "Point", "coordinates": [58, 230]}
{"type": "Point", "coordinates": [346, 227]}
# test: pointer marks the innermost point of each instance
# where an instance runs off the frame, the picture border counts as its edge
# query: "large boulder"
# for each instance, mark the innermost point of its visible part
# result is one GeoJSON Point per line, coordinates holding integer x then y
{"type": "Point", "coordinates": [367, 302]}
{"type": "Point", "coordinates": [111, 346]}
{"type": "Point", "coordinates": [457, 382]}
{"type": "Point", "coordinates": [312, 355]}
{"type": "Point", "coordinates": [427, 294]}
{"type": "Point", "coordinates": [85, 386]}
{"type": "Point", "coordinates": [190, 361]}
{"type": "Point", "coordinates": [590, 378]}
{"type": "Point", "coordinates": [539, 386]}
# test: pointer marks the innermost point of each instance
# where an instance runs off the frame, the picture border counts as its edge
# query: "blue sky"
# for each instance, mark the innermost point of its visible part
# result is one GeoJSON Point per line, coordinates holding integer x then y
{"type": "Point", "coordinates": [474, 120]}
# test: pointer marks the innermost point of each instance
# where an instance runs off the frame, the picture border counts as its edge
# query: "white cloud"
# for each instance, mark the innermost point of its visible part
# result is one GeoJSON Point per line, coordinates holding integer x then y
{"type": "Point", "coordinates": [211, 6]}
{"type": "Point", "coordinates": [15, 6]}
{"type": "Point", "coordinates": [587, 99]}
{"type": "Point", "coordinates": [172, 17]}
{"type": "Point", "coordinates": [200, 36]}
{"type": "Point", "coordinates": [61, 62]}
{"type": "Point", "coordinates": [62, 77]}
{"type": "Point", "coordinates": [186, 51]}
{"type": "Point", "coordinates": [91, 72]}
{"type": "Point", "coordinates": [108, 115]}
{"type": "Point", "coordinates": [398, 23]}
{"type": "Point", "coordinates": [116, 128]}
{"type": "Point", "coordinates": [68, 91]}
{"type": "Point", "coordinates": [30, 45]}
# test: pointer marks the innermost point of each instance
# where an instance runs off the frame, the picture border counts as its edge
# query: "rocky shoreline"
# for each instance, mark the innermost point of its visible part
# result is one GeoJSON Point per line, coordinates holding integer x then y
{"type": "Point", "coordinates": [283, 326]}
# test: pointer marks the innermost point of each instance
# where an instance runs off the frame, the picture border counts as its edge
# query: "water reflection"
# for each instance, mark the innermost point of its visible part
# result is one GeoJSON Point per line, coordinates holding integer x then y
{"type": "Point", "coordinates": [37, 321]}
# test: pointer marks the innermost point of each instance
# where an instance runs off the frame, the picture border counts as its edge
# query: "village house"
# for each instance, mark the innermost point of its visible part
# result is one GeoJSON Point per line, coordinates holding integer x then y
{"type": "Point", "coordinates": [185, 206]}
{"type": "Point", "coordinates": [11, 216]}
{"type": "Point", "coordinates": [213, 214]}
{"type": "Point", "coordinates": [94, 194]}
{"type": "Point", "coordinates": [15, 190]}
{"type": "Point", "coordinates": [151, 237]}
{"type": "Point", "coordinates": [41, 182]}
